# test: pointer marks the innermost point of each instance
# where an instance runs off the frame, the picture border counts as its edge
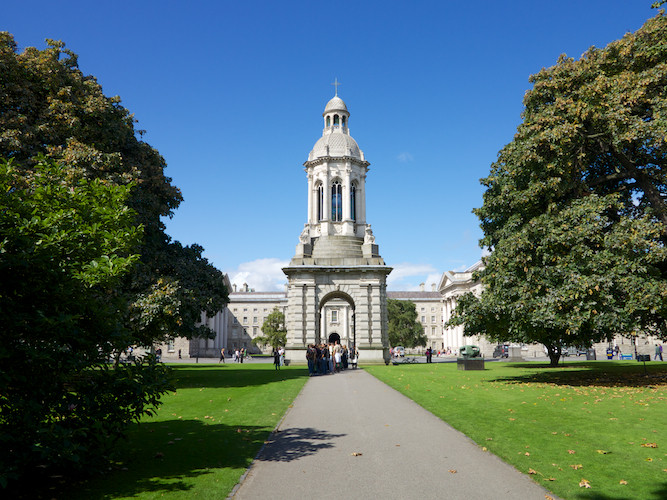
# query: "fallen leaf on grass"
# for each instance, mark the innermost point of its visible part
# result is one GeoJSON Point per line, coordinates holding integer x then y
{"type": "Point", "coordinates": [571, 452]}
{"type": "Point", "coordinates": [622, 481]}
{"type": "Point", "coordinates": [576, 466]}
{"type": "Point", "coordinates": [527, 454]}
{"type": "Point", "coordinates": [649, 460]}
{"type": "Point", "coordinates": [649, 445]}
{"type": "Point", "coordinates": [532, 471]}
{"type": "Point", "coordinates": [159, 454]}
{"type": "Point", "coordinates": [584, 483]}
{"type": "Point", "coordinates": [603, 452]}
{"type": "Point", "coordinates": [484, 448]}
{"type": "Point", "coordinates": [551, 479]}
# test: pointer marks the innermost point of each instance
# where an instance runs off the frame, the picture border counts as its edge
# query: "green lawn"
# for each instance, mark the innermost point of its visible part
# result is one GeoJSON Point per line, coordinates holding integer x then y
{"type": "Point", "coordinates": [598, 423]}
{"type": "Point", "coordinates": [204, 436]}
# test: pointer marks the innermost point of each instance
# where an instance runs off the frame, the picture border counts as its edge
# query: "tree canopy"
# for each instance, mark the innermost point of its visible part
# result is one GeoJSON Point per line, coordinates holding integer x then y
{"type": "Point", "coordinates": [273, 330]}
{"type": "Point", "coordinates": [574, 211]}
{"type": "Point", "coordinates": [403, 327]}
{"type": "Point", "coordinates": [86, 268]}
{"type": "Point", "coordinates": [49, 108]}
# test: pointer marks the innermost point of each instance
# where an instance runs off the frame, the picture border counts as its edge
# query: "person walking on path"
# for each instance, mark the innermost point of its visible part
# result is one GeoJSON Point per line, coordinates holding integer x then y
{"type": "Point", "coordinates": [658, 352]}
{"type": "Point", "coordinates": [222, 356]}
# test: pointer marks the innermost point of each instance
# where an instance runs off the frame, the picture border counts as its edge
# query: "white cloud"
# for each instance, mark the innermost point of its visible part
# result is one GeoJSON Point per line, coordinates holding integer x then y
{"type": "Point", "coordinates": [263, 275]}
{"type": "Point", "coordinates": [405, 157]}
{"type": "Point", "coordinates": [407, 276]}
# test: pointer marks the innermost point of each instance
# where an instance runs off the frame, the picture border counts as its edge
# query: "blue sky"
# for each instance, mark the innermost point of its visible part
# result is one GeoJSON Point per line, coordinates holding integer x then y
{"type": "Point", "coordinates": [231, 93]}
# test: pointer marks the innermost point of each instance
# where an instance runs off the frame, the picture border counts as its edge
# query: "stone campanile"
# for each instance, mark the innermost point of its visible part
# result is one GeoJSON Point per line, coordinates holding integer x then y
{"type": "Point", "coordinates": [337, 261]}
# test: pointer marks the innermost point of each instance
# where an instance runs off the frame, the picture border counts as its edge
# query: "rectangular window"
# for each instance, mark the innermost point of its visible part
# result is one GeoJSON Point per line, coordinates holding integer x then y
{"type": "Point", "coordinates": [423, 309]}
{"type": "Point", "coordinates": [236, 320]}
{"type": "Point", "coordinates": [254, 331]}
{"type": "Point", "coordinates": [334, 316]}
{"type": "Point", "coordinates": [432, 309]}
{"type": "Point", "coordinates": [245, 309]}
{"type": "Point", "coordinates": [423, 319]}
{"type": "Point", "coordinates": [432, 319]}
{"type": "Point", "coordinates": [245, 320]}
{"type": "Point", "coordinates": [254, 320]}
{"type": "Point", "coordinates": [254, 310]}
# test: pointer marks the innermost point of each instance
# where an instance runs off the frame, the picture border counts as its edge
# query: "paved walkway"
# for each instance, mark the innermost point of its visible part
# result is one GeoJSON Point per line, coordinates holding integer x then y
{"type": "Point", "coordinates": [351, 436]}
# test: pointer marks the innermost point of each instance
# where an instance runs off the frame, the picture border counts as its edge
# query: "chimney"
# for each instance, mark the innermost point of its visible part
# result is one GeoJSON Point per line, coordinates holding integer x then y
{"type": "Point", "coordinates": [433, 287]}
{"type": "Point", "coordinates": [421, 287]}
{"type": "Point", "coordinates": [234, 286]}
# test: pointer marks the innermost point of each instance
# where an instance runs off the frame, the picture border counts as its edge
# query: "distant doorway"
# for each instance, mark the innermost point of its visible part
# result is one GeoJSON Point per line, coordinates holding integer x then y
{"type": "Point", "coordinates": [334, 338]}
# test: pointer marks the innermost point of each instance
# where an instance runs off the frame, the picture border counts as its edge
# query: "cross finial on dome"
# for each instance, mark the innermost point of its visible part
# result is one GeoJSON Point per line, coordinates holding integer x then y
{"type": "Point", "coordinates": [336, 84]}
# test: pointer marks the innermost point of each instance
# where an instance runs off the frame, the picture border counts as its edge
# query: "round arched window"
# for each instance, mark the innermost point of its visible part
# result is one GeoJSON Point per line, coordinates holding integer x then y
{"type": "Point", "coordinates": [336, 202]}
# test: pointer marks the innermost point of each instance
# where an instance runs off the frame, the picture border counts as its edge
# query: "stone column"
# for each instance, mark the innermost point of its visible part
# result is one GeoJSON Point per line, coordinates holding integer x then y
{"type": "Point", "coordinates": [361, 192]}
{"type": "Point", "coordinates": [347, 214]}
{"type": "Point", "coordinates": [311, 197]}
{"type": "Point", "coordinates": [326, 194]}
{"type": "Point", "coordinates": [346, 330]}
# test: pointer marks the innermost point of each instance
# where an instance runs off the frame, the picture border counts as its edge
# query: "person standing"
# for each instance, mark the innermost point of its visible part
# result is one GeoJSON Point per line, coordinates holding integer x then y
{"type": "Point", "coordinates": [281, 353]}
{"type": "Point", "coordinates": [222, 356]}
{"type": "Point", "coordinates": [310, 358]}
{"type": "Point", "coordinates": [658, 352]}
{"type": "Point", "coordinates": [276, 358]}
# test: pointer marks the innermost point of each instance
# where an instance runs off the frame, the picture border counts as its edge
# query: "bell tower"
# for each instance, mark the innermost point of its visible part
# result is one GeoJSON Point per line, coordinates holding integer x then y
{"type": "Point", "coordinates": [337, 258]}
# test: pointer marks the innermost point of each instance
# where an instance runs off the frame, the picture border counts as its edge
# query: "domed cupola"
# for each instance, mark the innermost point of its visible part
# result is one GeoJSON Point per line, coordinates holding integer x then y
{"type": "Point", "coordinates": [336, 140]}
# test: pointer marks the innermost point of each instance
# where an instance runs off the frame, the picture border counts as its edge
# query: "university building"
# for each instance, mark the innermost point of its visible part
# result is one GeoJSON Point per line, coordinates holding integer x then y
{"type": "Point", "coordinates": [336, 281]}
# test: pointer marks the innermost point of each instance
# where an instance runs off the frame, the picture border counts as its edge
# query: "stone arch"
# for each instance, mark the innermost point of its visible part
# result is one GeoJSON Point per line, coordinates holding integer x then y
{"type": "Point", "coordinates": [341, 293]}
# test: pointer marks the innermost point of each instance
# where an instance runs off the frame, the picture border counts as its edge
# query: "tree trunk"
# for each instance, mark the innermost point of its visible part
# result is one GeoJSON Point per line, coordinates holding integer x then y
{"type": "Point", "coordinates": [554, 354]}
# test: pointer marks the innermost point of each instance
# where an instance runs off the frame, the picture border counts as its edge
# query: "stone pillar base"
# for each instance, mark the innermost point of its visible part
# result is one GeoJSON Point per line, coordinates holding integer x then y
{"type": "Point", "coordinates": [470, 363]}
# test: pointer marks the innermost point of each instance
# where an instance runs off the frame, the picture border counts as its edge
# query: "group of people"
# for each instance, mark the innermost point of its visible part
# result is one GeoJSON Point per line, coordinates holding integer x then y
{"type": "Point", "coordinates": [330, 358]}
{"type": "Point", "coordinates": [279, 357]}
{"type": "Point", "coordinates": [238, 354]}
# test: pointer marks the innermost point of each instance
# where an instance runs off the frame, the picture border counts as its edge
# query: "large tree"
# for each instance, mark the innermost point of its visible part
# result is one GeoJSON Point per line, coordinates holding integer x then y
{"type": "Point", "coordinates": [574, 212]}
{"type": "Point", "coordinates": [273, 330]}
{"type": "Point", "coordinates": [86, 266]}
{"type": "Point", "coordinates": [403, 327]}
{"type": "Point", "coordinates": [49, 107]}
{"type": "Point", "coordinates": [65, 246]}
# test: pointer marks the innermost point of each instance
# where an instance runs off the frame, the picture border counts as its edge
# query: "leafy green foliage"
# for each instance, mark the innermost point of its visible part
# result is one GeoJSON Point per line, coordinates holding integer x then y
{"type": "Point", "coordinates": [574, 210]}
{"type": "Point", "coordinates": [273, 329]}
{"type": "Point", "coordinates": [86, 269]}
{"type": "Point", "coordinates": [404, 329]}
{"type": "Point", "coordinates": [48, 107]}
{"type": "Point", "coordinates": [65, 245]}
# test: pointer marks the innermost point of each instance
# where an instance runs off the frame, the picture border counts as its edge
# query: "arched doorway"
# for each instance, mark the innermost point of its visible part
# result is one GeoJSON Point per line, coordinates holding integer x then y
{"type": "Point", "coordinates": [337, 319]}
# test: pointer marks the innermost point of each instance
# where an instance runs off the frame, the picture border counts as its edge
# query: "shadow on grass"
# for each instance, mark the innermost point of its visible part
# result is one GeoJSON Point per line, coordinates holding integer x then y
{"type": "Point", "coordinates": [600, 373]}
{"type": "Point", "coordinates": [232, 376]}
{"type": "Point", "coordinates": [291, 444]}
{"type": "Point", "coordinates": [161, 457]}
{"type": "Point", "coordinates": [659, 494]}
